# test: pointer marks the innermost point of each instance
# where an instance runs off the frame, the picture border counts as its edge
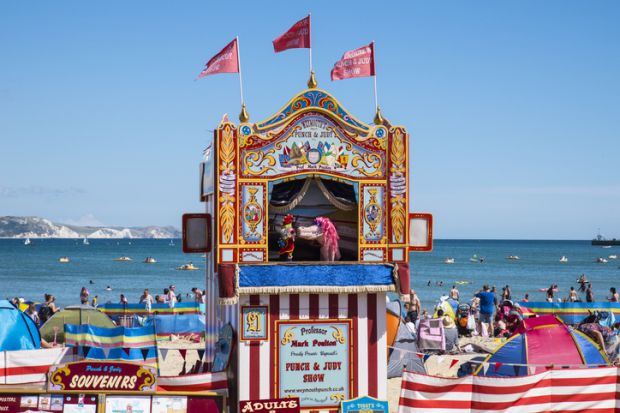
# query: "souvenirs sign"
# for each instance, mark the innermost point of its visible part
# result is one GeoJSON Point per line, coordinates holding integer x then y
{"type": "Point", "coordinates": [102, 376]}
{"type": "Point", "coordinates": [365, 404]}
{"type": "Point", "coordinates": [288, 405]}
{"type": "Point", "coordinates": [314, 361]}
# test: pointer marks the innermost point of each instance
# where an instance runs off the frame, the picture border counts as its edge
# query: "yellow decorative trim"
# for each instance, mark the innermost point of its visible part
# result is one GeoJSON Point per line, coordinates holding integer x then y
{"type": "Point", "coordinates": [227, 199]}
{"type": "Point", "coordinates": [397, 170]}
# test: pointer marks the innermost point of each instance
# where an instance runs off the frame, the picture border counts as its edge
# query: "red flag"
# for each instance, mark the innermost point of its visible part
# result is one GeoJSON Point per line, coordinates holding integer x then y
{"type": "Point", "coordinates": [226, 61]}
{"type": "Point", "coordinates": [453, 362]}
{"type": "Point", "coordinates": [297, 37]}
{"type": "Point", "coordinates": [355, 63]}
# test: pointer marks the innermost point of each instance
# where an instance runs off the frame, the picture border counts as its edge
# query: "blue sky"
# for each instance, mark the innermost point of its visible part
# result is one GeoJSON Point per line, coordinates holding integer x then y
{"type": "Point", "coordinates": [513, 107]}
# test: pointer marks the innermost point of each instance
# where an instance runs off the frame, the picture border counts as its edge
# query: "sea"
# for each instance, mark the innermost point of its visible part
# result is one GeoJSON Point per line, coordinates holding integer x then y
{"type": "Point", "coordinates": [31, 271]}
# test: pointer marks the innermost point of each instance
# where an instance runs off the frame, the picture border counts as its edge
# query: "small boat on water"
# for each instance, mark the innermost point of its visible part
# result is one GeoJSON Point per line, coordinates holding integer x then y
{"type": "Point", "coordinates": [476, 258]}
{"type": "Point", "coordinates": [150, 260]}
{"type": "Point", "coordinates": [171, 243]}
{"type": "Point", "coordinates": [64, 259]}
{"type": "Point", "coordinates": [513, 257]}
{"type": "Point", "coordinates": [563, 259]}
{"type": "Point", "coordinates": [123, 258]}
{"type": "Point", "coordinates": [448, 260]}
{"type": "Point", "coordinates": [85, 241]}
{"type": "Point", "coordinates": [601, 260]}
{"type": "Point", "coordinates": [27, 241]}
{"type": "Point", "coordinates": [187, 267]}
{"type": "Point", "coordinates": [613, 257]}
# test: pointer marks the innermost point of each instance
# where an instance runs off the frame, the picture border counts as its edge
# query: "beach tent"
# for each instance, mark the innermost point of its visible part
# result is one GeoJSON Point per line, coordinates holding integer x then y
{"type": "Point", "coordinates": [77, 314]}
{"type": "Point", "coordinates": [402, 347]}
{"type": "Point", "coordinates": [404, 354]}
{"type": "Point", "coordinates": [448, 305]}
{"type": "Point", "coordinates": [17, 330]}
{"type": "Point", "coordinates": [541, 341]}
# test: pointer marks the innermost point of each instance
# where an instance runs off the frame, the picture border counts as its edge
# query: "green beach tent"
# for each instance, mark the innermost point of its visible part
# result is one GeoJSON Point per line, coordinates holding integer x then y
{"type": "Point", "coordinates": [76, 314]}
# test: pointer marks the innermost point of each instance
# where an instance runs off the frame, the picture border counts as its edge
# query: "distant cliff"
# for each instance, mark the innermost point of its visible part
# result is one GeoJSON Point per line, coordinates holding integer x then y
{"type": "Point", "coordinates": [35, 227]}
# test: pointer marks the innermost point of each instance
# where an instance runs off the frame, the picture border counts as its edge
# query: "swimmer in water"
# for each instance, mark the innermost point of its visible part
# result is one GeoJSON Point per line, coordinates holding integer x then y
{"type": "Point", "coordinates": [108, 288]}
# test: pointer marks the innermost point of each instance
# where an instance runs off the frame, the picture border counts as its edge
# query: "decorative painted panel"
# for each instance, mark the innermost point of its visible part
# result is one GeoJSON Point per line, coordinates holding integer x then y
{"type": "Point", "coordinates": [398, 185]}
{"type": "Point", "coordinates": [372, 214]}
{"type": "Point", "coordinates": [227, 188]}
{"type": "Point", "coordinates": [252, 216]}
{"type": "Point", "coordinates": [312, 98]}
{"type": "Point", "coordinates": [313, 142]}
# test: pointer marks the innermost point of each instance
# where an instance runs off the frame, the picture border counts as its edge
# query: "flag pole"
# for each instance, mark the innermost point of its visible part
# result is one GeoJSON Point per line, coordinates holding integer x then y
{"type": "Point", "coordinates": [374, 69]}
{"type": "Point", "coordinates": [312, 84]}
{"type": "Point", "coordinates": [310, 37]}
{"type": "Point", "coordinates": [243, 116]}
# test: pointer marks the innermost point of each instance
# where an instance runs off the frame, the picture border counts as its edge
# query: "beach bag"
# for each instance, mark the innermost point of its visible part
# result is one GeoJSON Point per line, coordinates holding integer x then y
{"type": "Point", "coordinates": [471, 323]}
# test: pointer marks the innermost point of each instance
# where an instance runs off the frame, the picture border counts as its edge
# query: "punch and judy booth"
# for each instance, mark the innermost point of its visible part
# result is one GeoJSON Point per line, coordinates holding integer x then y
{"type": "Point", "coordinates": [311, 231]}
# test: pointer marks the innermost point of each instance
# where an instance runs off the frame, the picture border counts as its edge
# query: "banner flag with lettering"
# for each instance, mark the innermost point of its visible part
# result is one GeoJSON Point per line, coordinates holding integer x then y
{"type": "Point", "coordinates": [355, 63]}
{"type": "Point", "coordinates": [226, 61]}
{"type": "Point", "coordinates": [297, 37]}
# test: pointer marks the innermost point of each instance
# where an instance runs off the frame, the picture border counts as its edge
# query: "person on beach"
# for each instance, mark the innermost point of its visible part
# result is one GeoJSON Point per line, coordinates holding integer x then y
{"type": "Point", "coordinates": [414, 305]}
{"type": "Point", "coordinates": [506, 293]}
{"type": "Point", "coordinates": [572, 295]}
{"type": "Point", "coordinates": [48, 308]}
{"type": "Point", "coordinates": [487, 307]}
{"type": "Point", "coordinates": [32, 313]}
{"type": "Point", "coordinates": [171, 297]}
{"type": "Point", "coordinates": [15, 302]}
{"type": "Point", "coordinates": [123, 299]}
{"type": "Point", "coordinates": [409, 323]}
{"type": "Point", "coordinates": [550, 291]}
{"type": "Point", "coordinates": [93, 302]}
{"type": "Point", "coordinates": [147, 299]}
{"type": "Point", "coordinates": [526, 298]}
{"type": "Point", "coordinates": [582, 282]}
{"type": "Point", "coordinates": [589, 294]}
{"type": "Point", "coordinates": [159, 299]}
{"type": "Point", "coordinates": [495, 300]}
{"type": "Point", "coordinates": [454, 293]}
{"type": "Point", "coordinates": [84, 296]}
{"type": "Point", "coordinates": [614, 295]}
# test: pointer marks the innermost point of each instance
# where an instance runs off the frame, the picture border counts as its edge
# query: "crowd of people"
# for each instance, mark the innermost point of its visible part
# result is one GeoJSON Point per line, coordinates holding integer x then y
{"type": "Point", "coordinates": [48, 307]}
{"type": "Point", "coordinates": [492, 314]}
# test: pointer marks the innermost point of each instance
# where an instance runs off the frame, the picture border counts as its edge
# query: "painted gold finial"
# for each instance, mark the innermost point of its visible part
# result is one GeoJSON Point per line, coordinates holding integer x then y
{"type": "Point", "coordinates": [378, 117]}
{"type": "Point", "coordinates": [312, 84]}
{"type": "Point", "coordinates": [244, 116]}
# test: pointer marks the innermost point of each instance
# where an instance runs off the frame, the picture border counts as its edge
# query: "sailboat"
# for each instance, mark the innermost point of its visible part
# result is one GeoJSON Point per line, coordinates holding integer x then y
{"type": "Point", "coordinates": [27, 241]}
{"type": "Point", "coordinates": [171, 243]}
{"type": "Point", "coordinates": [85, 241]}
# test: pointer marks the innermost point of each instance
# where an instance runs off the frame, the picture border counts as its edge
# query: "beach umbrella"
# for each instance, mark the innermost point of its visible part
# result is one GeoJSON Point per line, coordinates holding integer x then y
{"type": "Point", "coordinates": [541, 342]}
{"type": "Point", "coordinates": [449, 307]}
{"type": "Point", "coordinates": [77, 314]}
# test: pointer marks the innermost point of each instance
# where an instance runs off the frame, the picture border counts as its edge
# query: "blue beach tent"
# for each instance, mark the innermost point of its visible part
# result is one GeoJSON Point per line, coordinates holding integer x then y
{"type": "Point", "coordinates": [17, 330]}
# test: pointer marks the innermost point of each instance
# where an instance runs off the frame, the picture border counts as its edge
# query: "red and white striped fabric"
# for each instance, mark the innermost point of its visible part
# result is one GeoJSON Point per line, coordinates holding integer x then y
{"type": "Point", "coordinates": [257, 360]}
{"type": "Point", "coordinates": [565, 390]}
{"type": "Point", "coordinates": [30, 366]}
{"type": "Point", "coordinates": [194, 383]}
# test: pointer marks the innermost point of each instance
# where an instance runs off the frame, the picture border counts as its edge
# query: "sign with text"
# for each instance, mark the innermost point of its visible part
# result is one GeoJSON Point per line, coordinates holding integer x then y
{"type": "Point", "coordinates": [288, 405]}
{"type": "Point", "coordinates": [254, 322]}
{"type": "Point", "coordinates": [102, 376]}
{"type": "Point", "coordinates": [314, 361]}
{"type": "Point", "coordinates": [365, 404]}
